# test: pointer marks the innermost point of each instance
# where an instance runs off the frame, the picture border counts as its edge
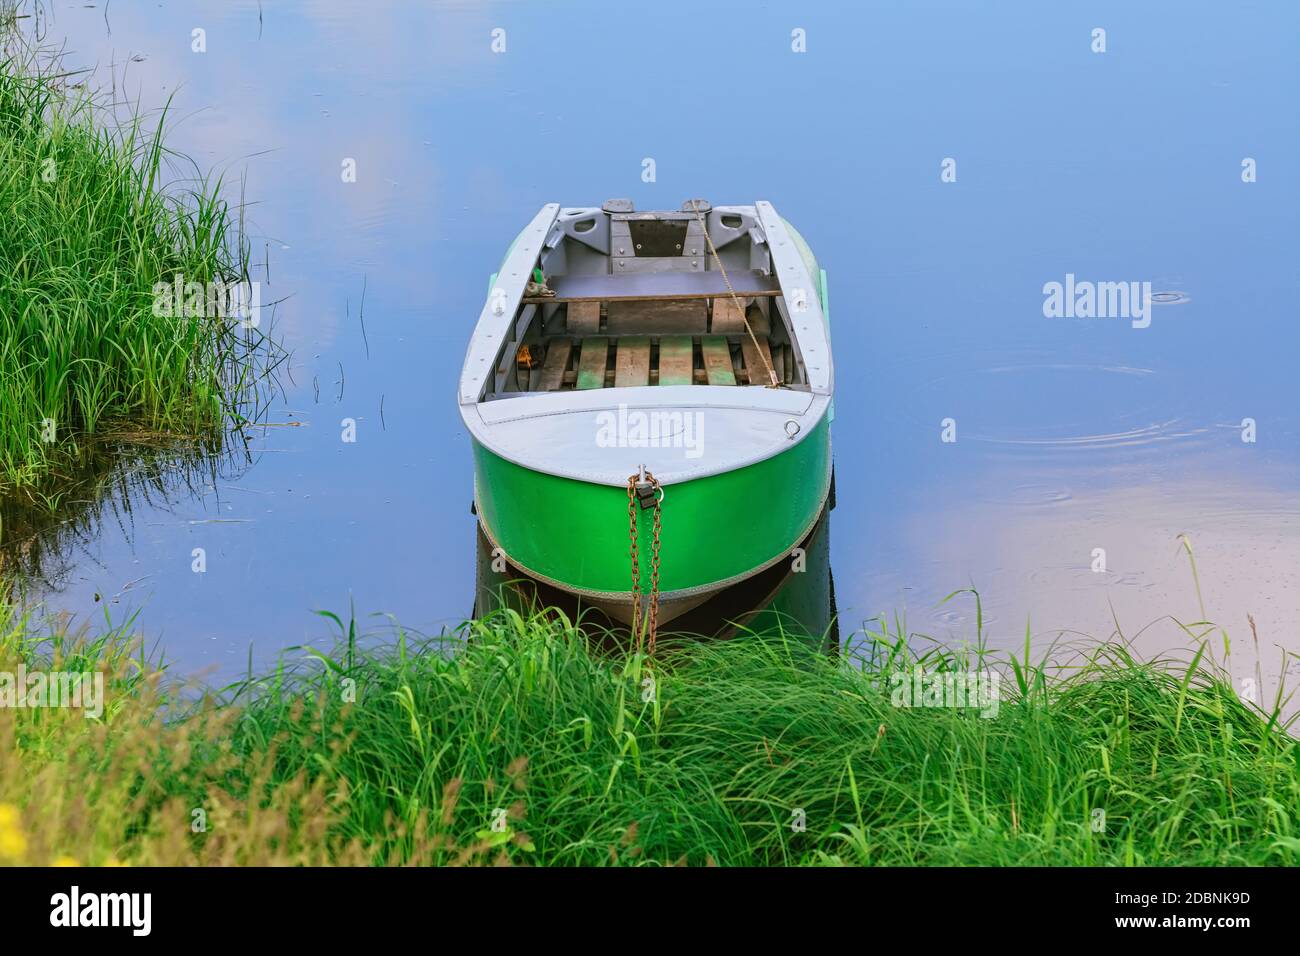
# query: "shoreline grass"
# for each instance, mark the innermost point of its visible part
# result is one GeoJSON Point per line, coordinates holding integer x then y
{"type": "Point", "coordinates": [512, 741]}
{"type": "Point", "coordinates": [88, 227]}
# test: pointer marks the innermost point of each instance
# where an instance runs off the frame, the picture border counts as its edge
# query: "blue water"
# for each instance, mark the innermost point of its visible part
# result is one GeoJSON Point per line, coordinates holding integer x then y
{"type": "Point", "coordinates": [1071, 434]}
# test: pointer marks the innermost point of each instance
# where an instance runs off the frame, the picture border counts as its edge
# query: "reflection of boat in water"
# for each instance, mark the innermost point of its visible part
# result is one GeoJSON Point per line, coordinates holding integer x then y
{"type": "Point", "coordinates": [681, 356]}
{"type": "Point", "coordinates": [797, 595]}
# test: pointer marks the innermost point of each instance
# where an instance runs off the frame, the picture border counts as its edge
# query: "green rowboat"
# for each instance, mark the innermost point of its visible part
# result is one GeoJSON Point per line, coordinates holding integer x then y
{"type": "Point", "coordinates": [626, 358]}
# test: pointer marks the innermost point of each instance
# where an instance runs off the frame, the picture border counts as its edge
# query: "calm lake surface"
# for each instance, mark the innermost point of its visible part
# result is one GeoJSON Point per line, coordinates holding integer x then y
{"type": "Point", "coordinates": [1072, 434]}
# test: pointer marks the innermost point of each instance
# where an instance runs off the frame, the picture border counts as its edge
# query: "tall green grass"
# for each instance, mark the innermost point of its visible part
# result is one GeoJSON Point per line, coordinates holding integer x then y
{"type": "Point", "coordinates": [512, 740]}
{"type": "Point", "coordinates": [88, 224]}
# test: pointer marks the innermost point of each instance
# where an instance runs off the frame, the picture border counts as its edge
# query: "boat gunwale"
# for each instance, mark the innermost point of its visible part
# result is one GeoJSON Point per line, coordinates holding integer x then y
{"type": "Point", "coordinates": [809, 333]}
{"type": "Point", "coordinates": [491, 328]}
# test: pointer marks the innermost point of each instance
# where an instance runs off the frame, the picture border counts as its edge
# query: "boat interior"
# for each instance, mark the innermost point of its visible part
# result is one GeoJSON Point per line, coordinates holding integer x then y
{"type": "Point", "coordinates": [636, 298]}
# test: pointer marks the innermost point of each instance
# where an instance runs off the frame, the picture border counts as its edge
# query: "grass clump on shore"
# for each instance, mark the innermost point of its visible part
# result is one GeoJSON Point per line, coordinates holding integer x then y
{"type": "Point", "coordinates": [88, 229]}
{"type": "Point", "coordinates": [512, 741]}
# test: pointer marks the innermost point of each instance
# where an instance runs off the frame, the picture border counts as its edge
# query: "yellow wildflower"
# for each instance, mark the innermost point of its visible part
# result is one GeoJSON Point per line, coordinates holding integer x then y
{"type": "Point", "coordinates": [13, 845]}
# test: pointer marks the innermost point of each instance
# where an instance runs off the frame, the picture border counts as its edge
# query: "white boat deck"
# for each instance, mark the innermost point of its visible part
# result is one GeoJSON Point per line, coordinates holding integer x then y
{"type": "Point", "coordinates": [679, 432]}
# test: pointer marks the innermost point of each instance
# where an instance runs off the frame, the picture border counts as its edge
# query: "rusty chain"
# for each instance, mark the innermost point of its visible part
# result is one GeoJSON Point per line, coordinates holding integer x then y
{"type": "Point", "coordinates": [636, 566]}
{"type": "Point", "coordinates": [638, 619]}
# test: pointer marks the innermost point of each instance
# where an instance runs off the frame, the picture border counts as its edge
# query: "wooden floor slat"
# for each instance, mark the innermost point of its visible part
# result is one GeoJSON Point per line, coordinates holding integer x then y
{"type": "Point", "coordinates": [591, 364]}
{"type": "Point", "coordinates": [676, 359]}
{"type": "Point", "coordinates": [583, 318]}
{"type": "Point", "coordinates": [557, 362]}
{"type": "Point", "coordinates": [632, 362]}
{"type": "Point", "coordinates": [754, 360]}
{"type": "Point", "coordinates": [717, 360]}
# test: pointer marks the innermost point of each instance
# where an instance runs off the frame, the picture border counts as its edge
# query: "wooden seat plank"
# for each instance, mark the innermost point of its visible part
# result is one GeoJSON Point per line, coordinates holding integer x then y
{"type": "Point", "coordinates": [676, 360]}
{"type": "Point", "coordinates": [557, 363]}
{"type": "Point", "coordinates": [591, 363]}
{"type": "Point", "coordinates": [583, 318]}
{"type": "Point", "coordinates": [717, 360]}
{"type": "Point", "coordinates": [632, 362]}
{"type": "Point", "coordinates": [727, 317]}
{"type": "Point", "coordinates": [632, 318]}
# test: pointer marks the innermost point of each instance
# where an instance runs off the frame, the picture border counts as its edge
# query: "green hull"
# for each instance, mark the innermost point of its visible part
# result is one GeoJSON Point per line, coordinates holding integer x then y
{"type": "Point", "coordinates": [716, 531]}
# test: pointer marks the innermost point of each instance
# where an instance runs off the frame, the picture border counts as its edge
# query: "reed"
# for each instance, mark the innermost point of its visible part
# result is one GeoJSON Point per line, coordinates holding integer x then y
{"type": "Point", "coordinates": [91, 220]}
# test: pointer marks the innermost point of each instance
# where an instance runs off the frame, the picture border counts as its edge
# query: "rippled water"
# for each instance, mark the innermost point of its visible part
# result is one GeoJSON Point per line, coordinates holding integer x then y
{"type": "Point", "coordinates": [1071, 434]}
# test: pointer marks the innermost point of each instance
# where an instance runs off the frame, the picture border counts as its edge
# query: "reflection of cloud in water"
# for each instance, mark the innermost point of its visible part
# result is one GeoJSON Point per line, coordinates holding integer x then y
{"type": "Point", "coordinates": [223, 117]}
{"type": "Point", "coordinates": [1032, 562]}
